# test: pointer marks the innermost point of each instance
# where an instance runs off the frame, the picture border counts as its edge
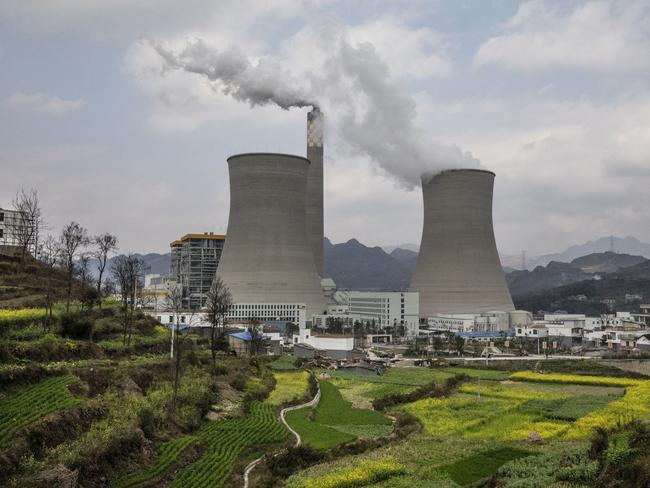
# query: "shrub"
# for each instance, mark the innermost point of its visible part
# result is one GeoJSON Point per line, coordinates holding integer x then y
{"type": "Point", "coordinates": [76, 326]}
{"type": "Point", "coordinates": [238, 381]}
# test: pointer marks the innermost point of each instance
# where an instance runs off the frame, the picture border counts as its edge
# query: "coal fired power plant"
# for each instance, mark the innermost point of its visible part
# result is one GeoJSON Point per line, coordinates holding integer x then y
{"type": "Point", "coordinates": [268, 257]}
{"type": "Point", "coordinates": [458, 268]}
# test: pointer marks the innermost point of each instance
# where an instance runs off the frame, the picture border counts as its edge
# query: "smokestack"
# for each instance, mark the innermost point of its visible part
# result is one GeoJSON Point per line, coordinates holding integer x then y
{"type": "Point", "coordinates": [458, 268]}
{"type": "Point", "coordinates": [315, 231]}
{"type": "Point", "coordinates": [267, 257]}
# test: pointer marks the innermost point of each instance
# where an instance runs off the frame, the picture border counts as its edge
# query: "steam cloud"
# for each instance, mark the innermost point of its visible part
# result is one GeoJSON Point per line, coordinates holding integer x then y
{"type": "Point", "coordinates": [366, 109]}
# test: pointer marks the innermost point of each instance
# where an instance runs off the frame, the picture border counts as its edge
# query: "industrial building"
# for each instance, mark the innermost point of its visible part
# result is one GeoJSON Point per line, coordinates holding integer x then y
{"type": "Point", "coordinates": [194, 261]}
{"type": "Point", "coordinates": [391, 310]}
{"type": "Point", "coordinates": [288, 312]}
{"type": "Point", "coordinates": [268, 258]}
{"type": "Point", "coordinates": [458, 269]}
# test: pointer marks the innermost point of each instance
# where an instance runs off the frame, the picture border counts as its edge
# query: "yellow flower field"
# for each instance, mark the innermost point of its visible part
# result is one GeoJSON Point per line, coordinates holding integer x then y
{"type": "Point", "coordinates": [635, 405]}
{"type": "Point", "coordinates": [9, 315]}
{"type": "Point", "coordinates": [364, 473]}
{"type": "Point", "coordinates": [574, 379]}
{"type": "Point", "coordinates": [289, 386]}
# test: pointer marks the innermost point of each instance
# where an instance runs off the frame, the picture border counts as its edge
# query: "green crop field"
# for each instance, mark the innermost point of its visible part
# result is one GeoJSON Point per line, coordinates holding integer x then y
{"type": "Point", "coordinates": [283, 363]}
{"type": "Point", "coordinates": [167, 453]}
{"type": "Point", "coordinates": [225, 440]}
{"type": "Point", "coordinates": [336, 422]}
{"type": "Point", "coordinates": [32, 402]}
{"type": "Point", "coordinates": [481, 465]}
{"type": "Point", "coordinates": [289, 386]}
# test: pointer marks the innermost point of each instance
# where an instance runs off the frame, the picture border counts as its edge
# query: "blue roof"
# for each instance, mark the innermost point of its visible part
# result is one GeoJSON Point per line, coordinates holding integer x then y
{"type": "Point", "coordinates": [244, 336]}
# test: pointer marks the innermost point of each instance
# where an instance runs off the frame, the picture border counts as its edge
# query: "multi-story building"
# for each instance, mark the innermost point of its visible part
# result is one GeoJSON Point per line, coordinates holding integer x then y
{"type": "Point", "coordinates": [194, 261]}
{"type": "Point", "coordinates": [13, 224]}
{"type": "Point", "coordinates": [394, 310]}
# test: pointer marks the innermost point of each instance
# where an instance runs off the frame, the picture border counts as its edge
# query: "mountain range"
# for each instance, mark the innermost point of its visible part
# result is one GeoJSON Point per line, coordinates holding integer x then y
{"type": "Point", "coordinates": [353, 265]}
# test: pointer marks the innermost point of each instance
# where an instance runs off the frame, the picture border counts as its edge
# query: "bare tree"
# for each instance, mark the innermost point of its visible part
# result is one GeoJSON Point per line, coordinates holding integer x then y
{"type": "Point", "coordinates": [73, 236]}
{"type": "Point", "coordinates": [257, 336]}
{"type": "Point", "coordinates": [83, 268]}
{"type": "Point", "coordinates": [218, 303]}
{"type": "Point", "coordinates": [50, 255]}
{"type": "Point", "coordinates": [127, 271]}
{"type": "Point", "coordinates": [104, 245]}
{"type": "Point", "coordinates": [51, 252]}
{"type": "Point", "coordinates": [26, 227]}
{"type": "Point", "coordinates": [174, 303]}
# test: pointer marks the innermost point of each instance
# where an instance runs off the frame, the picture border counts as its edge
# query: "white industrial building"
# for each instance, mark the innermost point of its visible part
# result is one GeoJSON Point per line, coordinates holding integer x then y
{"type": "Point", "coordinates": [289, 312]}
{"type": "Point", "coordinates": [13, 224]}
{"type": "Point", "coordinates": [480, 322]}
{"type": "Point", "coordinates": [387, 308]}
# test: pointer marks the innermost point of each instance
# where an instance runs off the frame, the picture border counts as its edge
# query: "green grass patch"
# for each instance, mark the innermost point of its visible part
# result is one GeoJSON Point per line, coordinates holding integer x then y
{"type": "Point", "coordinates": [317, 435]}
{"type": "Point", "coordinates": [284, 363]}
{"type": "Point", "coordinates": [30, 403]}
{"type": "Point", "coordinates": [289, 386]}
{"type": "Point", "coordinates": [335, 421]}
{"type": "Point", "coordinates": [481, 465]}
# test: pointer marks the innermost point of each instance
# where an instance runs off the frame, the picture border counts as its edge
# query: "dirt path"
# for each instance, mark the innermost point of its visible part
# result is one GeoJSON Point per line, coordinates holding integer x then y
{"type": "Point", "coordinates": [313, 402]}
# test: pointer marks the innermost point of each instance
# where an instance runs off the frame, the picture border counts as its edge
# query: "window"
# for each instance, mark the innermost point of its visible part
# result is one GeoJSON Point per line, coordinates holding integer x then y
{"type": "Point", "coordinates": [1, 233]}
{"type": "Point", "coordinates": [534, 332]}
{"type": "Point", "coordinates": [183, 318]}
{"type": "Point", "coordinates": [171, 319]}
{"type": "Point", "coordinates": [2, 216]}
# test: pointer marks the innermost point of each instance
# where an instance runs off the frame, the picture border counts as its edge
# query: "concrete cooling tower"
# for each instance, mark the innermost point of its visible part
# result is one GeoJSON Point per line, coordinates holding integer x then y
{"type": "Point", "coordinates": [315, 231]}
{"type": "Point", "coordinates": [267, 257]}
{"type": "Point", "coordinates": [458, 268]}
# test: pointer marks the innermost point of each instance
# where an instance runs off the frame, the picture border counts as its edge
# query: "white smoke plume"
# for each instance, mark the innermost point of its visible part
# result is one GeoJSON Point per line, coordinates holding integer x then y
{"type": "Point", "coordinates": [363, 106]}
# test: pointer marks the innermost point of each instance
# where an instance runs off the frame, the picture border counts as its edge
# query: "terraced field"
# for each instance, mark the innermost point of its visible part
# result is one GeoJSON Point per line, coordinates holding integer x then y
{"type": "Point", "coordinates": [168, 452]}
{"type": "Point", "coordinates": [225, 440]}
{"type": "Point", "coordinates": [32, 402]}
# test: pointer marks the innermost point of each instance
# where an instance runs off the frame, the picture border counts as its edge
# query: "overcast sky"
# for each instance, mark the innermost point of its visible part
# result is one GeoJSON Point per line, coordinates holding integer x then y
{"type": "Point", "coordinates": [554, 97]}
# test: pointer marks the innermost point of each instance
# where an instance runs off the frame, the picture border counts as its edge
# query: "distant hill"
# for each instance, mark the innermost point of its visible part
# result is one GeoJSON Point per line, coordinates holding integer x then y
{"type": "Point", "coordinates": [586, 296]}
{"type": "Point", "coordinates": [628, 245]}
{"type": "Point", "coordinates": [557, 274]}
{"type": "Point", "coordinates": [523, 282]}
{"type": "Point", "coordinates": [606, 262]}
{"type": "Point", "coordinates": [354, 266]}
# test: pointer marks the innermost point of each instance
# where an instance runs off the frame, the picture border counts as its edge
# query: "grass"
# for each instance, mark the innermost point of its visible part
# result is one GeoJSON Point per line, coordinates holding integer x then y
{"type": "Point", "coordinates": [32, 402]}
{"type": "Point", "coordinates": [335, 421]}
{"type": "Point", "coordinates": [289, 386]}
{"type": "Point", "coordinates": [481, 465]}
{"type": "Point", "coordinates": [284, 363]}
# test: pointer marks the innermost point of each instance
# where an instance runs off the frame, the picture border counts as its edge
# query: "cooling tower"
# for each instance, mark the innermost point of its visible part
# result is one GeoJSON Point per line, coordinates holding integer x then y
{"type": "Point", "coordinates": [315, 186]}
{"type": "Point", "coordinates": [267, 257]}
{"type": "Point", "coordinates": [458, 268]}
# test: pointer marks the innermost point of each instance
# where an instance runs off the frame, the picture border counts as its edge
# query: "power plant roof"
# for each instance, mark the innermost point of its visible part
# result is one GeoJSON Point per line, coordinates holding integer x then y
{"type": "Point", "coordinates": [245, 155]}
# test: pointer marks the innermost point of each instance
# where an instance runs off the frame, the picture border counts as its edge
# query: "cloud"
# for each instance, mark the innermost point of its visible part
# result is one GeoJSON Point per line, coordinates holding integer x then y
{"type": "Point", "coordinates": [43, 103]}
{"type": "Point", "coordinates": [602, 36]}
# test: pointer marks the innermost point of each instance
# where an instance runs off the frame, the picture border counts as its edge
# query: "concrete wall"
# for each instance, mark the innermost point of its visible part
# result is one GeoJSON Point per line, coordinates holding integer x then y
{"type": "Point", "coordinates": [267, 257]}
{"type": "Point", "coordinates": [458, 268]}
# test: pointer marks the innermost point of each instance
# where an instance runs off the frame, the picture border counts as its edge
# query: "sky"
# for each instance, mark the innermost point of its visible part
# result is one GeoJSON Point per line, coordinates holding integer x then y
{"type": "Point", "coordinates": [553, 96]}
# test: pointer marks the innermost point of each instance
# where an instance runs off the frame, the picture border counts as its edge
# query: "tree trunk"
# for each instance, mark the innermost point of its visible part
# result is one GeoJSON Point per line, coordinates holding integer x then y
{"type": "Point", "coordinates": [213, 347]}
